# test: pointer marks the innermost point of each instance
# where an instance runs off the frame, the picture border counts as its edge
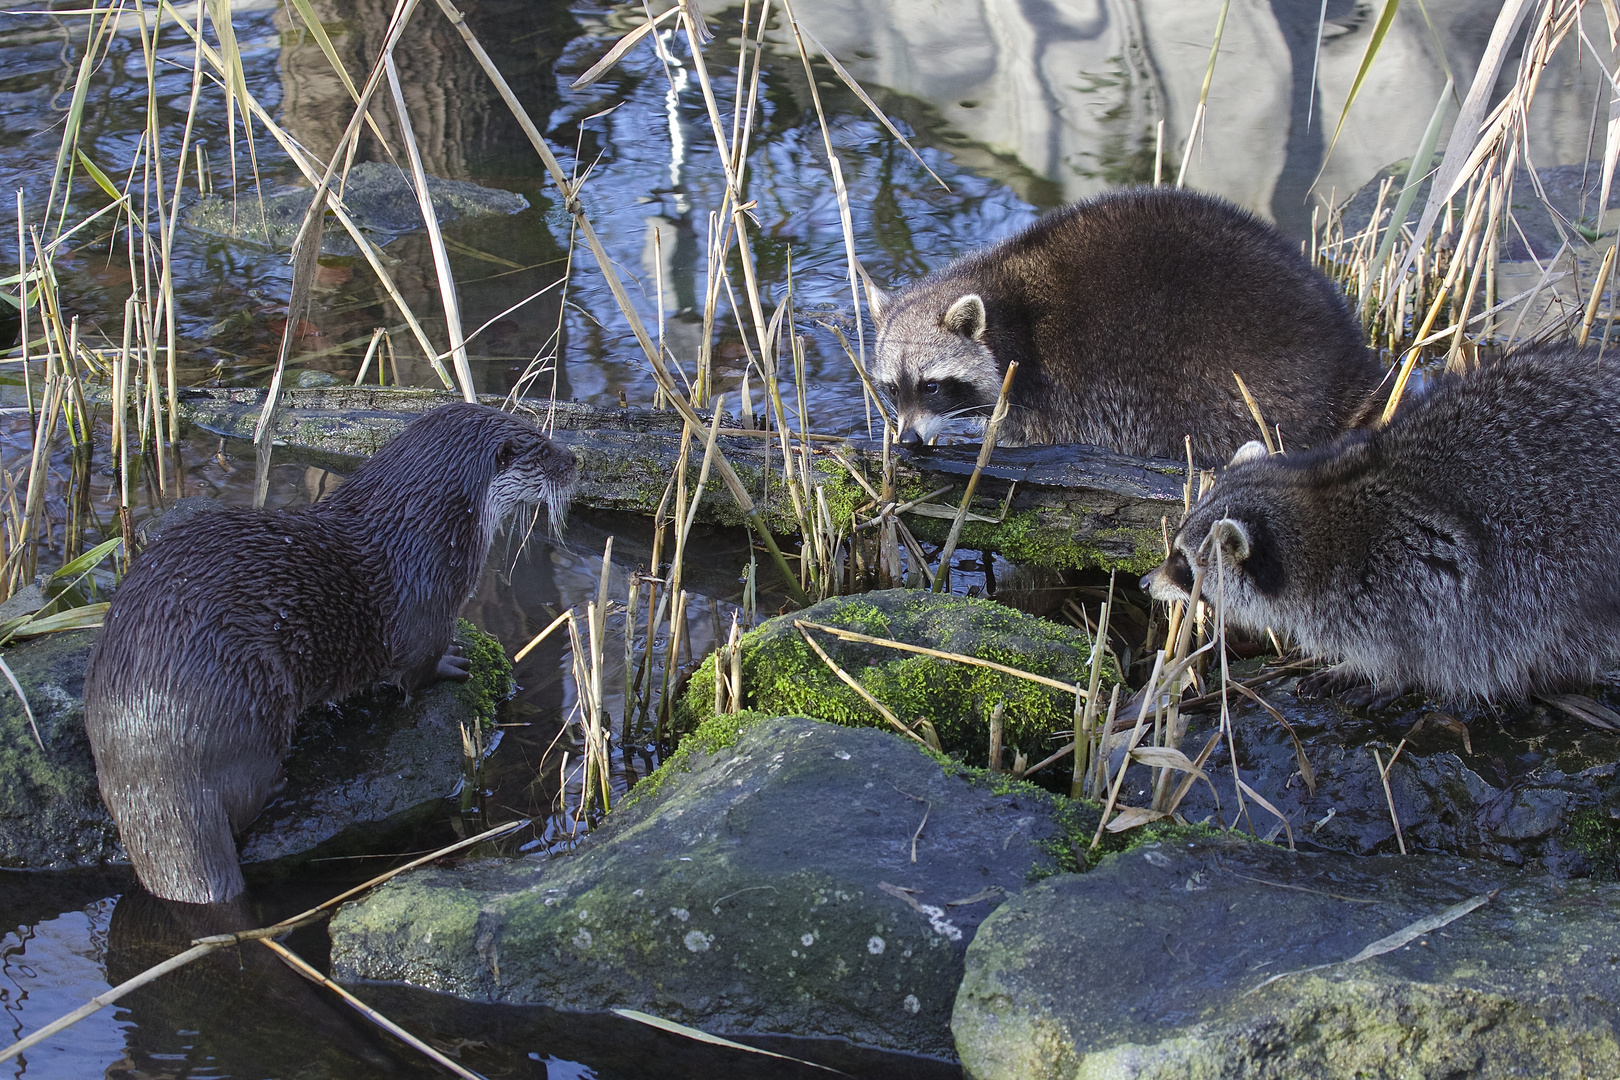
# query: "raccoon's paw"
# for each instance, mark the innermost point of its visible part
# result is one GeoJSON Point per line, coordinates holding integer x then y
{"type": "Point", "coordinates": [1349, 687]}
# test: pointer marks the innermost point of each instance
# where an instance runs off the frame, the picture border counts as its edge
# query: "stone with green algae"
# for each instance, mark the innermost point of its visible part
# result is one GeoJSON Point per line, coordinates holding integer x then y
{"type": "Point", "coordinates": [1155, 966]}
{"type": "Point", "coordinates": [793, 878]}
{"type": "Point", "coordinates": [781, 675]}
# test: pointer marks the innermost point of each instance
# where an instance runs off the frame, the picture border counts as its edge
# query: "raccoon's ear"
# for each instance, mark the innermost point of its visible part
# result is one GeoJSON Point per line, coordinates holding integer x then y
{"type": "Point", "coordinates": [876, 301]}
{"type": "Point", "coordinates": [1232, 537]}
{"type": "Point", "coordinates": [1253, 450]}
{"type": "Point", "coordinates": [966, 317]}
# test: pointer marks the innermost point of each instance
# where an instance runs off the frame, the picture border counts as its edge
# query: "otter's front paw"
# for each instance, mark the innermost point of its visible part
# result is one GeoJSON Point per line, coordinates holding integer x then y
{"type": "Point", "coordinates": [454, 666]}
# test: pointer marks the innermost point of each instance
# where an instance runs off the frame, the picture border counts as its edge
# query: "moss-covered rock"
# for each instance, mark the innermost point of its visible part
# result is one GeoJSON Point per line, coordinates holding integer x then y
{"type": "Point", "coordinates": [780, 674]}
{"type": "Point", "coordinates": [1155, 966]}
{"type": "Point", "coordinates": [51, 815]}
{"type": "Point", "coordinates": [797, 878]}
{"type": "Point", "coordinates": [358, 771]}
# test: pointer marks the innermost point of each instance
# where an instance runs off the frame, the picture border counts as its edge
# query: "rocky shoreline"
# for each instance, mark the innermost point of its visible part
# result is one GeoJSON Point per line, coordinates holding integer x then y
{"type": "Point", "coordinates": [783, 875]}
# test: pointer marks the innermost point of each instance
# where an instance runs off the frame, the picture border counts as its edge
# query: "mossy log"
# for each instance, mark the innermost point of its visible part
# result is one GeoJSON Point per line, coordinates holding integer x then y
{"type": "Point", "coordinates": [1070, 506]}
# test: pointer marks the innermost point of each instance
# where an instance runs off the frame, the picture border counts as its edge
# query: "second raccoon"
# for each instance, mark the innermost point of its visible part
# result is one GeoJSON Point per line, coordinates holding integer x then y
{"type": "Point", "coordinates": [1468, 549]}
{"type": "Point", "coordinates": [1128, 315]}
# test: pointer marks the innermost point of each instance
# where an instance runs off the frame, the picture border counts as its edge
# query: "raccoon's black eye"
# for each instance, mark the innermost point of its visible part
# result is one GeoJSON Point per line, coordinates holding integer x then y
{"type": "Point", "coordinates": [930, 387]}
{"type": "Point", "coordinates": [1180, 571]}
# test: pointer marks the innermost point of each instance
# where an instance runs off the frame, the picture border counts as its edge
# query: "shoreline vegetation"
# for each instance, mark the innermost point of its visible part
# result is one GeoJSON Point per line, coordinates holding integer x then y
{"type": "Point", "coordinates": [1425, 271]}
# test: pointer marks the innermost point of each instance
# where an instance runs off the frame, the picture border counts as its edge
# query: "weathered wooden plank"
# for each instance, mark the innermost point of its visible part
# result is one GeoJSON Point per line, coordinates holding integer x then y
{"type": "Point", "coordinates": [1071, 505]}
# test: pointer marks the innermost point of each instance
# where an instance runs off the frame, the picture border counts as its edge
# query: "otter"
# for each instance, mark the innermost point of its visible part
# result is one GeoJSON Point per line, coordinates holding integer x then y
{"type": "Point", "coordinates": [233, 622]}
{"type": "Point", "coordinates": [1467, 550]}
{"type": "Point", "coordinates": [1128, 314]}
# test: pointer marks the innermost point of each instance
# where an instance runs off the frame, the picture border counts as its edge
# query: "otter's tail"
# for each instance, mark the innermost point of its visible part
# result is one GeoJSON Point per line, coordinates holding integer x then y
{"type": "Point", "coordinates": [179, 841]}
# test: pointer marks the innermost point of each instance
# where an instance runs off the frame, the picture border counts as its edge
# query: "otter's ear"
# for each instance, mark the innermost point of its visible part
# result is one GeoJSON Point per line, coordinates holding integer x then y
{"type": "Point", "coordinates": [966, 317]}
{"type": "Point", "coordinates": [507, 454]}
{"type": "Point", "coordinates": [1253, 450]}
{"type": "Point", "coordinates": [1232, 537]}
{"type": "Point", "coordinates": [876, 300]}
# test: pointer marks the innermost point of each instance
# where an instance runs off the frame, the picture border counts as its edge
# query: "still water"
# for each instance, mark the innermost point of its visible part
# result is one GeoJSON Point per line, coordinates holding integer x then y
{"type": "Point", "coordinates": [1016, 108]}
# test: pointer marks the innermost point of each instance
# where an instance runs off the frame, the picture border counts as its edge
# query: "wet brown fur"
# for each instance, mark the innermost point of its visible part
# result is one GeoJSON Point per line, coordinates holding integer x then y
{"type": "Point", "coordinates": [235, 621]}
{"type": "Point", "coordinates": [1128, 314]}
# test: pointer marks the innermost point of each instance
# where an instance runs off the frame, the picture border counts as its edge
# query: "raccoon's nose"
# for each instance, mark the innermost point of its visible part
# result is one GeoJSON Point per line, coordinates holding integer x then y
{"type": "Point", "coordinates": [909, 437]}
{"type": "Point", "coordinates": [1147, 580]}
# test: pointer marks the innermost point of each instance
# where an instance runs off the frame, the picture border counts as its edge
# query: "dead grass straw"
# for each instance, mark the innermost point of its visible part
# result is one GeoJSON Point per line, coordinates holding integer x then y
{"type": "Point", "coordinates": [988, 447]}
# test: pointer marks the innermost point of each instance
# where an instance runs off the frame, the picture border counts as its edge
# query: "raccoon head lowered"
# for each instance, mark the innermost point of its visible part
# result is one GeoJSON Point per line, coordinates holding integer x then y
{"type": "Point", "coordinates": [932, 361]}
{"type": "Point", "coordinates": [1241, 525]}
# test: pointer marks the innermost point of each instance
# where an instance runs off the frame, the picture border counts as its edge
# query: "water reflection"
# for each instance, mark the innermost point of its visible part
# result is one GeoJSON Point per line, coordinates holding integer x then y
{"type": "Point", "coordinates": [1073, 92]}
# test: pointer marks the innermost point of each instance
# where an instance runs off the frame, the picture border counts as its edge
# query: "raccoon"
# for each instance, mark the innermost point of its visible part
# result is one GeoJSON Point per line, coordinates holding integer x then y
{"type": "Point", "coordinates": [1128, 314]}
{"type": "Point", "coordinates": [1467, 550]}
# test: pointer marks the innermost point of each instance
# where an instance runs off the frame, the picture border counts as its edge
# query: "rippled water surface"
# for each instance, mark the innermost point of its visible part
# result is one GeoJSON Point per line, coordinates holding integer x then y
{"type": "Point", "coordinates": [1016, 108]}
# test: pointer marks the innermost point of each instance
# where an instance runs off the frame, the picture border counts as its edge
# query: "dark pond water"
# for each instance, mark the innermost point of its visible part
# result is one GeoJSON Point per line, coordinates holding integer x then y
{"type": "Point", "coordinates": [1016, 108]}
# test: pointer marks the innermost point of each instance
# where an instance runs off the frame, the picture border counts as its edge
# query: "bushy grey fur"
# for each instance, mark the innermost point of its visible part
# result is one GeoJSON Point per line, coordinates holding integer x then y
{"type": "Point", "coordinates": [1468, 549]}
{"type": "Point", "coordinates": [233, 622]}
{"type": "Point", "coordinates": [1128, 315]}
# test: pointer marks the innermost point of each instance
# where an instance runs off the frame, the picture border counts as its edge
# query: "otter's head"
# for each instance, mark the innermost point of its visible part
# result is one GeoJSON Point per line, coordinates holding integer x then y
{"type": "Point", "coordinates": [1236, 535]}
{"type": "Point", "coordinates": [932, 361]}
{"type": "Point", "coordinates": [457, 473]}
{"type": "Point", "coordinates": [530, 470]}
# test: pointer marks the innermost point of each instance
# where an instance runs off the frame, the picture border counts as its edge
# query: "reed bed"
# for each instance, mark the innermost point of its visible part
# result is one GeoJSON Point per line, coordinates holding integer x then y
{"type": "Point", "coordinates": [1426, 288]}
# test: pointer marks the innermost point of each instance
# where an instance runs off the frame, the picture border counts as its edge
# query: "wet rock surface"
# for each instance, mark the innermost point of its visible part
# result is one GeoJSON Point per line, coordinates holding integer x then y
{"type": "Point", "coordinates": [358, 773]}
{"type": "Point", "coordinates": [1155, 965]}
{"type": "Point", "coordinates": [1522, 785]}
{"type": "Point", "coordinates": [809, 880]}
{"type": "Point", "coordinates": [376, 195]}
{"type": "Point", "coordinates": [51, 815]}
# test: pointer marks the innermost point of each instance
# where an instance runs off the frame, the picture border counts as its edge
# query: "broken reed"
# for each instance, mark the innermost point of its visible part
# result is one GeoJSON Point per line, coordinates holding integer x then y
{"type": "Point", "coordinates": [1429, 292]}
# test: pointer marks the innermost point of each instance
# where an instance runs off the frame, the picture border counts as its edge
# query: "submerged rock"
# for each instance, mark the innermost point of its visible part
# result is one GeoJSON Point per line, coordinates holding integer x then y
{"type": "Point", "coordinates": [781, 675]}
{"type": "Point", "coordinates": [376, 195]}
{"type": "Point", "coordinates": [1154, 965]}
{"type": "Point", "coordinates": [808, 880]}
{"type": "Point", "coordinates": [357, 773]}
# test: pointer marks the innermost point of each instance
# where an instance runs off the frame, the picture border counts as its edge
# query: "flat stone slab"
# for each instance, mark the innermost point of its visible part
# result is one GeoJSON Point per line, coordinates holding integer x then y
{"type": "Point", "coordinates": [809, 880]}
{"type": "Point", "coordinates": [1154, 965]}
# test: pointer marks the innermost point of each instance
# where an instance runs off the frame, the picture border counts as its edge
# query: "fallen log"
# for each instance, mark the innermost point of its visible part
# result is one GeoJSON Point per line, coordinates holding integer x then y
{"type": "Point", "coordinates": [1069, 506]}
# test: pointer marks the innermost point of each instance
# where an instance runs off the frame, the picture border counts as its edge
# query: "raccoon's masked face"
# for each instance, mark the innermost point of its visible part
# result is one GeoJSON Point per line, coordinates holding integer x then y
{"type": "Point", "coordinates": [1230, 539]}
{"type": "Point", "coordinates": [934, 366]}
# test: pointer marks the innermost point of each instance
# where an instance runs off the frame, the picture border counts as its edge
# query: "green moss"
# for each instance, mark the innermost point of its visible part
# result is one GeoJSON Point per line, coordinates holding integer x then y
{"type": "Point", "coordinates": [1021, 538]}
{"type": "Point", "coordinates": [716, 733]}
{"type": "Point", "coordinates": [783, 677]}
{"type": "Point", "coordinates": [1071, 850]}
{"type": "Point", "coordinates": [491, 681]}
{"type": "Point", "coordinates": [1596, 835]}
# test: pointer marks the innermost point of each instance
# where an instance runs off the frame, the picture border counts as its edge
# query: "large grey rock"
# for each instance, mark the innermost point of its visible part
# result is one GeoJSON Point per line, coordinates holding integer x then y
{"type": "Point", "coordinates": [51, 815]}
{"type": "Point", "coordinates": [810, 880]}
{"type": "Point", "coordinates": [356, 773]}
{"type": "Point", "coordinates": [1152, 965]}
